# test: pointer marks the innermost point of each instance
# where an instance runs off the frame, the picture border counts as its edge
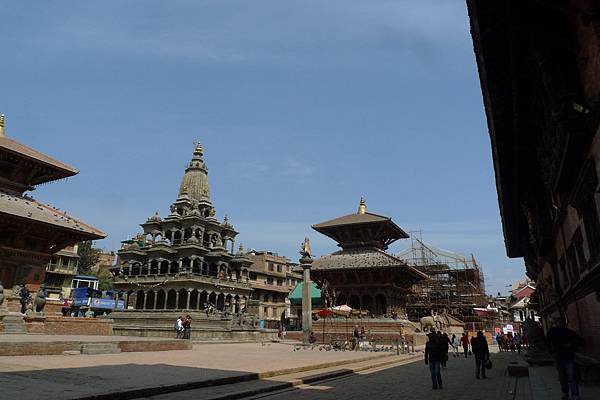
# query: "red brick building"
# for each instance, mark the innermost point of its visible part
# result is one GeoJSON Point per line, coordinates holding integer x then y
{"type": "Point", "coordinates": [539, 67]}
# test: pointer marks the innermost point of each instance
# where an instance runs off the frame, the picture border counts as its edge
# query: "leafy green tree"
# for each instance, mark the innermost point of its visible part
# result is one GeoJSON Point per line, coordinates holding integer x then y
{"type": "Point", "coordinates": [106, 281]}
{"type": "Point", "coordinates": [88, 257]}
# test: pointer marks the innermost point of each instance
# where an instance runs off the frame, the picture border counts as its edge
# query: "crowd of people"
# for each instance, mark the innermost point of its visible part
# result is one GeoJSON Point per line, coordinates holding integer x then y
{"type": "Point", "coordinates": [183, 327]}
{"type": "Point", "coordinates": [438, 346]}
{"type": "Point", "coordinates": [561, 341]}
{"type": "Point", "coordinates": [509, 342]}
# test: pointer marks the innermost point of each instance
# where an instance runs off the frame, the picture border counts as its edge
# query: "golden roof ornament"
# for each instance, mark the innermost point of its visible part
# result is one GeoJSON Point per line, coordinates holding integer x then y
{"type": "Point", "coordinates": [362, 206]}
{"type": "Point", "coordinates": [1, 125]}
{"type": "Point", "coordinates": [305, 248]}
{"type": "Point", "coordinates": [241, 249]}
{"type": "Point", "coordinates": [198, 150]}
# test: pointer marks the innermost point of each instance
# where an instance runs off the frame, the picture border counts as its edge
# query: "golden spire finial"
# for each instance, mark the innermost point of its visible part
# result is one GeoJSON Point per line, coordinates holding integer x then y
{"type": "Point", "coordinates": [362, 206]}
{"type": "Point", "coordinates": [241, 249]}
{"type": "Point", "coordinates": [1, 125]}
{"type": "Point", "coordinates": [198, 150]}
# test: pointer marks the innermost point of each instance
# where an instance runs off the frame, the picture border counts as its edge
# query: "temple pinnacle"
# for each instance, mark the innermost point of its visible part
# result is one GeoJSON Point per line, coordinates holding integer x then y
{"type": "Point", "coordinates": [1, 125]}
{"type": "Point", "coordinates": [362, 206]}
{"type": "Point", "coordinates": [198, 150]}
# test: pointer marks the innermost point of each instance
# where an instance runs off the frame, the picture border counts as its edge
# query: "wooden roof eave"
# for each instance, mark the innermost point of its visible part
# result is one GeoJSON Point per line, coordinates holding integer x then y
{"type": "Point", "coordinates": [490, 42]}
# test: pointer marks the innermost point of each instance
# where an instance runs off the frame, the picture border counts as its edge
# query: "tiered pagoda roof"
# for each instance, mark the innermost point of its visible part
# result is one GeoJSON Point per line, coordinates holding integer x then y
{"type": "Point", "coordinates": [362, 229]}
{"type": "Point", "coordinates": [21, 169]}
{"type": "Point", "coordinates": [363, 237]}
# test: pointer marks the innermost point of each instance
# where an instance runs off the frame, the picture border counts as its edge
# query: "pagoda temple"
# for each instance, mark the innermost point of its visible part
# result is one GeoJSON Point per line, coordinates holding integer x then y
{"type": "Point", "coordinates": [185, 261]}
{"type": "Point", "coordinates": [31, 231]}
{"type": "Point", "coordinates": [361, 274]}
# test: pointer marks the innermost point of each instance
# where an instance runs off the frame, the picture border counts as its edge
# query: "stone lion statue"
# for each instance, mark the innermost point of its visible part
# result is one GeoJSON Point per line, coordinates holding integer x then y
{"type": "Point", "coordinates": [40, 300]}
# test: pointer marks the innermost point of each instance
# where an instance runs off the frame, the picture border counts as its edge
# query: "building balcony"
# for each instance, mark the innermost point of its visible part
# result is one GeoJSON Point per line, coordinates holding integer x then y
{"type": "Point", "coordinates": [61, 269]}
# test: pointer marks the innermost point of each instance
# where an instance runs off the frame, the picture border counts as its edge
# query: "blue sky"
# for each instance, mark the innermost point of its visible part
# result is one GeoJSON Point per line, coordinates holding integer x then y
{"type": "Point", "coordinates": [302, 108]}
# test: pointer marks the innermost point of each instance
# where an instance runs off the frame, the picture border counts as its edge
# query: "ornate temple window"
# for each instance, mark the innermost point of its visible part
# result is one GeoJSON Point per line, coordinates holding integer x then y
{"type": "Point", "coordinates": [203, 299]}
{"type": "Point", "coordinates": [197, 266]}
{"type": "Point", "coordinates": [220, 302]}
{"type": "Point", "coordinates": [171, 299]}
{"type": "Point", "coordinates": [177, 237]}
{"type": "Point", "coordinates": [135, 269]}
{"type": "Point", "coordinates": [174, 267]}
{"type": "Point", "coordinates": [154, 267]}
{"type": "Point", "coordinates": [186, 263]}
{"type": "Point", "coordinates": [144, 270]}
{"type": "Point", "coordinates": [182, 299]}
{"type": "Point", "coordinates": [140, 300]}
{"type": "Point", "coordinates": [161, 300]}
{"type": "Point", "coordinates": [164, 267]}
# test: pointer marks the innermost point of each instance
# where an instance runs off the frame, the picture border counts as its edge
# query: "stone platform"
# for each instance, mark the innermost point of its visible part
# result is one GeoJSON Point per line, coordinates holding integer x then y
{"type": "Point", "coordinates": [385, 331]}
{"type": "Point", "coordinates": [214, 327]}
{"type": "Point", "coordinates": [28, 345]}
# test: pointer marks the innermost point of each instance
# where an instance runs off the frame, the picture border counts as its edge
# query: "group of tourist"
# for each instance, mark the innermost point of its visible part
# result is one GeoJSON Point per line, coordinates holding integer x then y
{"type": "Point", "coordinates": [509, 342]}
{"type": "Point", "coordinates": [183, 327]}
{"type": "Point", "coordinates": [438, 346]}
{"type": "Point", "coordinates": [358, 336]}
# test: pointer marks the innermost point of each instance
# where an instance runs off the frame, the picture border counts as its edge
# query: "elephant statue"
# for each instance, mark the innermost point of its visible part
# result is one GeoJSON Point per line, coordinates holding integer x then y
{"type": "Point", "coordinates": [430, 322]}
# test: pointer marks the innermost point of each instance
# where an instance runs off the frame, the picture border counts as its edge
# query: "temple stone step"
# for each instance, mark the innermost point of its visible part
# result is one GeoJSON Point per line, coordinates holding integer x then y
{"type": "Point", "coordinates": [13, 324]}
{"type": "Point", "coordinates": [100, 348]}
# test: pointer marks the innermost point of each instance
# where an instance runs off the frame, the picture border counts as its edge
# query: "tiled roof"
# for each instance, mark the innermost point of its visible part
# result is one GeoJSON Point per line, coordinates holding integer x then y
{"type": "Point", "coordinates": [13, 146]}
{"type": "Point", "coordinates": [361, 258]}
{"type": "Point", "coordinates": [352, 219]}
{"type": "Point", "coordinates": [26, 207]}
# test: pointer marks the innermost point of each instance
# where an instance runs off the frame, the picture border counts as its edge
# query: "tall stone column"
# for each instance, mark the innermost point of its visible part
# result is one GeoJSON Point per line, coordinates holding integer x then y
{"type": "Point", "coordinates": [155, 298]}
{"type": "Point", "coordinates": [189, 297]}
{"type": "Point", "coordinates": [305, 263]}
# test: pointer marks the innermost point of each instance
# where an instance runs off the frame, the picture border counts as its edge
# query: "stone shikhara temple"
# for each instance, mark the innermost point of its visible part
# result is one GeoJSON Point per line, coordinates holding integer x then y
{"type": "Point", "coordinates": [186, 260]}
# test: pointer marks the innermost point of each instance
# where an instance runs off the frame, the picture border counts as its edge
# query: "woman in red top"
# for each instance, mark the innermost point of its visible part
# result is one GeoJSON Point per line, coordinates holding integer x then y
{"type": "Point", "coordinates": [464, 340]}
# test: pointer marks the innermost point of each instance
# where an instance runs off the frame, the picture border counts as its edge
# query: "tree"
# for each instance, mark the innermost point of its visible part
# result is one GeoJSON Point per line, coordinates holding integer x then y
{"type": "Point", "coordinates": [106, 281]}
{"type": "Point", "coordinates": [88, 257]}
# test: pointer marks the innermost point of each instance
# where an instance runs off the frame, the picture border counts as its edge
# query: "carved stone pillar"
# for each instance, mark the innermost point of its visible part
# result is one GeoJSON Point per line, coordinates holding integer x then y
{"type": "Point", "coordinates": [189, 296]}
{"type": "Point", "coordinates": [177, 300]}
{"type": "Point", "coordinates": [155, 298]}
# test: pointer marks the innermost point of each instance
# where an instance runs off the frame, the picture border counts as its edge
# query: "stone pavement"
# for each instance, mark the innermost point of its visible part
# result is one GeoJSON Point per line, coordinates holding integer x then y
{"type": "Point", "coordinates": [84, 376]}
{"type": "Point", "coordinates": [412, 381]}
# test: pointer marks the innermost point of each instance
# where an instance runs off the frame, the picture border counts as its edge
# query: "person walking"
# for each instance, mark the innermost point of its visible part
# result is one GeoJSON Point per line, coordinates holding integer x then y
{"type": "Point", "coordinates": [355, 338]}
{"type": "Point", "coordinates": [455, 345]}
{"type": "Point", "coordinates": [445, 343]}
{"type": "Point", "coordinates": [562, 343]}
{"type": "Point", "coordinates": [187, 326]}
{"type": "Point", "coordinates": [179, 328]}
{"type": "Point", "coordinates": [499, 341]}
{"type": "Point", "coordinates": [511, 342]}
{"type": "Point", "coordinates": [481, 351]}
{"type": "Point", "coordinates": [464, 340]}
{"type": "Point", "coordinates": [518, 342]}
{"type": "Point", "coordinates": [24, 297]}
{"type": "Point", "coordinates": [433, 357]}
